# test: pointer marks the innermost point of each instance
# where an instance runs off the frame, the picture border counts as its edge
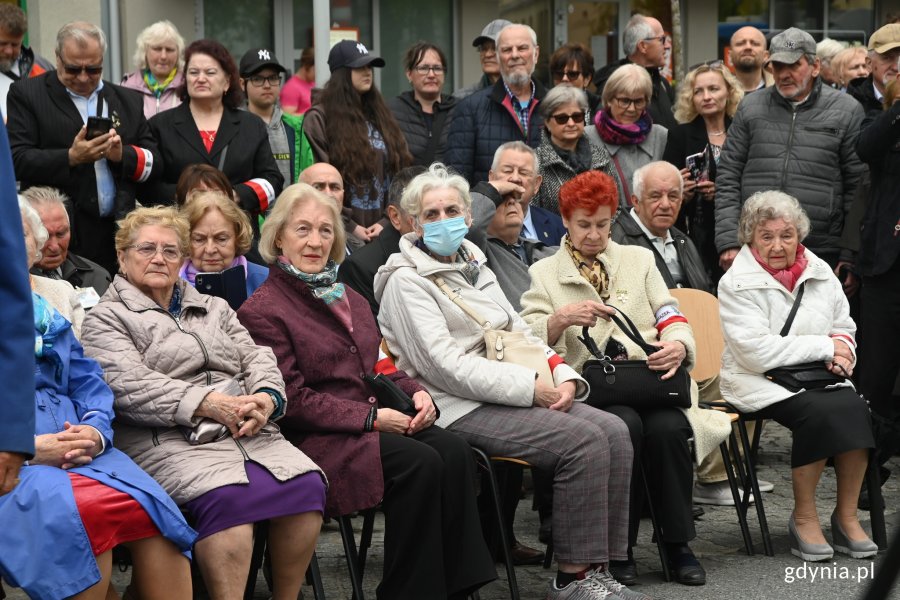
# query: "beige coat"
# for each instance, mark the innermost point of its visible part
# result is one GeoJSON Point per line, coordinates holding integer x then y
{"type": "Point", "coordinates": [61, 296]}
{"type": "Point", "coordinates": [638, 289]}
{"type": "Point", "coordinates": [160, 369]}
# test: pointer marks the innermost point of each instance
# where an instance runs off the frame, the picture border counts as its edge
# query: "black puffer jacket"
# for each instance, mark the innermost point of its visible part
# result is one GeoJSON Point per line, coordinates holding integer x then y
{"type": "Point", "coordinates": [411, 119]}
{"type": "Point", "coordinates": [481, 123]}
{"type": "Point", "coordinates": [807, 151]}
{"type": "Point", "coordinates": [863, 90]}
{"type": "Point", "coordinates": [879, 146]}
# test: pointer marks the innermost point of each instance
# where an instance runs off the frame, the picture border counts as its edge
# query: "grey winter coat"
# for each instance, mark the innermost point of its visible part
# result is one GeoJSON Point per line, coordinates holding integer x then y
{"type": "Point", "coordinates": [806, 150]}
{"type": "Point", "coordinates": [160, 369]}
{"type": "Point", "coordinates": [555, 171]}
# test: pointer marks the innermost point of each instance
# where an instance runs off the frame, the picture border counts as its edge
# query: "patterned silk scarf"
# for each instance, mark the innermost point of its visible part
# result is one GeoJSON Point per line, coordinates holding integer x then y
{"type": "Point", "coordinates": [324, 285]}
{"type": "Point", "coordinates": [158, 87]}
{"type": "Point", "coordinates": [595, 272]}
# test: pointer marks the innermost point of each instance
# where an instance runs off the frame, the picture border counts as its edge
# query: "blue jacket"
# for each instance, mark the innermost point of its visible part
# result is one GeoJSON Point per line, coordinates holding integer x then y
{"type": "Point", "coordinates": [484, 121]}
{"type": "Point", "coordinates": [16, 331]}
{"type": "Point", "coordinates": [44, 548]}
{"type": "Point", "coordinates": [256, 274]}
{"type": "Point", "coordinates": [548, 225]}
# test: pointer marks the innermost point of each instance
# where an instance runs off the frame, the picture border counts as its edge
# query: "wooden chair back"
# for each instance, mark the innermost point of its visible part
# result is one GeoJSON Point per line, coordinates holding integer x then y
{"type": "Point", "coordinates": [702, 312]}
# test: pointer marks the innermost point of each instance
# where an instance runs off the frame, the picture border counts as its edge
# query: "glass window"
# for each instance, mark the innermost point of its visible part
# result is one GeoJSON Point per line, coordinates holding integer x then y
{"type": "Point", "coordinates": [403, 22]}
{"type": "Point", "coordinates": [238, 25]}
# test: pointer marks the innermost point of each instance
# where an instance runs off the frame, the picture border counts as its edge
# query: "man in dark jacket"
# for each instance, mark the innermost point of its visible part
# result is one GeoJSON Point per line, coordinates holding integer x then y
{"type": "Point", "coordinates": [487, 55]}
{"type": "Point", "coordinates": [358, 271]}
{"type": "Point", "coordinates": [645, 44]}
{"type": "Point", "coordinates": [884, 50]}
{"type": "Point", "coordinates": [16, 61]}
{"type": "Point", "coordinates": [505, 112]}
{"type": "Point", "coordinates": [799, 137]}
{"type": "Point", "coordinates": [49, 139]}
{"type": "Point", "coordinates": [658, 190]}
{"type": "Point", "coordinates": [56, 260]}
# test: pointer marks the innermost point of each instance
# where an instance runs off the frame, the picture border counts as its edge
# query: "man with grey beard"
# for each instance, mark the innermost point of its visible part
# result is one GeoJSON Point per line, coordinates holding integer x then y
{"type": "Point", "coordinates": [798, 136]}
{"type": "Point", "coordinates": [884, 51]}
{"type": "Point", "coordinates": [504, 112]}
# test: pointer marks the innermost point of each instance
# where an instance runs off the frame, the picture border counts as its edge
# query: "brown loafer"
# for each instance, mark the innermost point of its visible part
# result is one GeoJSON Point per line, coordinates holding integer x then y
{"type": "Point", "coordinates": [523, 555]}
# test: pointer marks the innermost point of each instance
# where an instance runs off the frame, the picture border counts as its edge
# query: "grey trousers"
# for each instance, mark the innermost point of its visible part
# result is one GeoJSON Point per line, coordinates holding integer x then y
{"type": "Point", "coordinates": [589, 454]}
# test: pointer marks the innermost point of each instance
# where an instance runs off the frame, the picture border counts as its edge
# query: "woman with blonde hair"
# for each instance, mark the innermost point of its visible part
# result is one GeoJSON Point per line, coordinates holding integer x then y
{"type": "Point", "coordinates": [158, 67]}
{"type": "Point", "coordinates": [706, 102]}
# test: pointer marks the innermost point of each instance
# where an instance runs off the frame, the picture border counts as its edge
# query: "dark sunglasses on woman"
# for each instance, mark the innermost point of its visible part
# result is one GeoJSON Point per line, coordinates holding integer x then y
{"type": "Point", "coordinates": [562, 119]}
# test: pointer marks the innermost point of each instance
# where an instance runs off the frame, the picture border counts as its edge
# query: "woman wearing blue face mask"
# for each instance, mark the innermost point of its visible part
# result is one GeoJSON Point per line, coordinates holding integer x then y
{"type": "Point", "coordinates": [502, 407]}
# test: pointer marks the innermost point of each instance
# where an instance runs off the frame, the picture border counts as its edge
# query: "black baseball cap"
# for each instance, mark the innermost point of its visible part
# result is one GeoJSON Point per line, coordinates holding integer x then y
{"type": "Point", "coordinates": [256, 59]}
{"type": "Point", "coordinates": [354, 55]}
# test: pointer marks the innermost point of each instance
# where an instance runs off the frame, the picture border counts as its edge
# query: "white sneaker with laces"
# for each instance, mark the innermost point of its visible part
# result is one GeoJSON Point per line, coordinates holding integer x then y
{"type": "Point", "coordinates": [718, 494]}
{"type": "Point", "coordinates": [589, 588]}
{"type": "Point", "coordinates": [610, 583]}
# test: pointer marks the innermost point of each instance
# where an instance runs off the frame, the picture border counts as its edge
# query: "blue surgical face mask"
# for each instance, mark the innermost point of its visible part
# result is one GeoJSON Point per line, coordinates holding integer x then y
{"type": "Point", "coordinates": [445, 237]}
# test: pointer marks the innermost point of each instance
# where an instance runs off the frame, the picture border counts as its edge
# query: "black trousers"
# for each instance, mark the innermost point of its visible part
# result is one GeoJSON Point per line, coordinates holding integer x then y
{"type": "Point", "coordinates": [660, 440]}
{"type": "Point", "coordinates": [880, 360]}
{"type": "Point", "coordinates": [433, 546]}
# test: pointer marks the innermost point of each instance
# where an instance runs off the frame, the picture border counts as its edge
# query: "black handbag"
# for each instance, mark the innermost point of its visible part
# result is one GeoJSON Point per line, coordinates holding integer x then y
{"type": "Point", "coordinates": [631, 382]}
{"type": "Point", "coordinates": [805, 376]}
{"type": "Point", "coordinates": [391, 396]}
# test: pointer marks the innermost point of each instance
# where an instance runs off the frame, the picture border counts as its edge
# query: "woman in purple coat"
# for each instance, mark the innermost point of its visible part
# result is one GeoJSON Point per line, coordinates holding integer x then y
{"type": "Point", "coordinates": [326, 340]}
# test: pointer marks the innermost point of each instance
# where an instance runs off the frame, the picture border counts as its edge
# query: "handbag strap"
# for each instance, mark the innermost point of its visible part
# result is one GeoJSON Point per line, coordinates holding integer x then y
{"type": "Point", "coordinates": [629, 330]}
{"type": "Point", "coordinates": [793, 313]}
{"type": "Point", "coordinates": [457, 299]}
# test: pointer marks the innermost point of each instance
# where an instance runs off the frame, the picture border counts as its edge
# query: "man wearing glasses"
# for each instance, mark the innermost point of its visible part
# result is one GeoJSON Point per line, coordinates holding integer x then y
{"type": "Point", "coordinates": [487, 54]}
{"type": "Point", "coordinates": [261, 78]}
{"type": "Point", "coordinates": [646, 44]}
{"type": "Point", "coordinates": [97, 167]}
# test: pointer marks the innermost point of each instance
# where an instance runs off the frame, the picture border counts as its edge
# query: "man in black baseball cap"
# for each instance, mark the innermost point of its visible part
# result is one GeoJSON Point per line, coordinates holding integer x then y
{"type": "Point", "coordinates": [261, 79]}
{"type": "Point", "coordinates": [353, 55]}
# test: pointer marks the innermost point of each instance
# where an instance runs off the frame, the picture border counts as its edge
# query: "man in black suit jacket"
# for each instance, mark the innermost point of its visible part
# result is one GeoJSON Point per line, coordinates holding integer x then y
{"type": "Point", "coordinates": [47, 117]}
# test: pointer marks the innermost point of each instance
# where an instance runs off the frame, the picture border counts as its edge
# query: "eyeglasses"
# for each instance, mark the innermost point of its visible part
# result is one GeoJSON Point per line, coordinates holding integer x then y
{"type": "Point", "coordinates": [148, 251]}
{"type": "Point", "coordinates": [259, 80]}
{"type": "Point", "coordinates": [562, 119]}
{"type": "Point", "coordinates": [710, 64]}
{"type": "Point", "coordinates": [570, 75]}
{"type": "Point", "coordinates": [624, 103]}
{"type": "Point", "coordinates": [487, 47]}
{"type": "Point", "coordinates": [659, 38]}
{"type": "Point", "coordinates": [93, 70]}
{"type": "Point", "coordinates": [423, 69]}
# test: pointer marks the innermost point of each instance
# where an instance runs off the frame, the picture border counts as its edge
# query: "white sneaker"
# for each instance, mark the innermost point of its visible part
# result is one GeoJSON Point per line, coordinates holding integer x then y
{"type": "Point", "coordinates": [765, 486]}
{"type": "Point", "coordinates": [617, 588]}
{"type": "Point", "coordinates": [589, 588]}
{"type": "Point", "coordinates": [718, 494]}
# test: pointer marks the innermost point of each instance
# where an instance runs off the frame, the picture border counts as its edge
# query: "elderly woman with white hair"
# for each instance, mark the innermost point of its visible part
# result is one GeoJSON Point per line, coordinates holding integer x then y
{"type": "Point", "coordinates": [158, 67]}
{"type": "Point", "coordinates": [430, 293]}
{"type": "Point", "coordinates": [60, 294]}
{"type": "Point", "coordinates": [624, 127]}
{"type": "Point", "coordinates": [326, 342]}
{"type": "Point", "coordinates": [565, 151]}
{"type": "Point", "coordinates": [782, 306]}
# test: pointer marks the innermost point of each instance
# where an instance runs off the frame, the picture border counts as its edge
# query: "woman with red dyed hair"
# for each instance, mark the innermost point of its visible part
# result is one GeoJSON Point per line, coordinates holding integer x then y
{"type": "Point", "coordinates": [577, 287]}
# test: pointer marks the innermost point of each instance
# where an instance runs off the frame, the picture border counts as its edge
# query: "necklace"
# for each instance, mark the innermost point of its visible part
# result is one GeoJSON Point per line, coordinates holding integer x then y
{"type": "Point", "coordinates": [716, 132]}
{"type": "Point", "coordinates": [209, 135]}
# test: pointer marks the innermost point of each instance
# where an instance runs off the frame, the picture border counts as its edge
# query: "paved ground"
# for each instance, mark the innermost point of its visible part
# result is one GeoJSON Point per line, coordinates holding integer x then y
{"type": "Point", "coordinates": [731, 573]}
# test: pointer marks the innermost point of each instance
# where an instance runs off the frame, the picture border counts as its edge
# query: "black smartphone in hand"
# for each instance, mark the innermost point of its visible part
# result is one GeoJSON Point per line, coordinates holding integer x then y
{"type": "Point", "coordinates": [97, 126]}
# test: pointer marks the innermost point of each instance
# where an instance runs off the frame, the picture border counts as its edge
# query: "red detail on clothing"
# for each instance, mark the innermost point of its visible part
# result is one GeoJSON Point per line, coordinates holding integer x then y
{"type": "Point", "coordinates": [508, 105]}
{"type": "Point", "coordinates": [207, 137]}
{"type": "Point", "coordinates": [141, 161]}
{"type": "Point", "coordinates": [845, 338]}
{"type": "Point", "coordinates": [554, 360]}
{"type": "Point", "coordinates": [787, 277]}
{"type": "Point", "coordinates": [674, 319]}
{"type": "Point", "coordinates": [110, 517]}
{"type": "Point", "coordinates": [260, 193]}
{"type": "Point", "coordinates": [36, 70]}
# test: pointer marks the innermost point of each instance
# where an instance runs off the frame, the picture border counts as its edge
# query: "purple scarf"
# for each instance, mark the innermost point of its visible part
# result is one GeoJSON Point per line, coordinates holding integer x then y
{"type": "Point", "coordinates": [618, 134]}
{"type": "Point", "coordinates": [189, 272]}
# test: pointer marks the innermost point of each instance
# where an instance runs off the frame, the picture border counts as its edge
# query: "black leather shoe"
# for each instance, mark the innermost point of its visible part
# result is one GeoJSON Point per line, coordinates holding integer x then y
{"type": "Point", "coordinates": [697, 511]}
{"type": "Point", "coordinates": [685, 567]}
{"type": "Point", "coordinates": [523, 555]}
{"type": "Point", "coordinates": [623, 571]}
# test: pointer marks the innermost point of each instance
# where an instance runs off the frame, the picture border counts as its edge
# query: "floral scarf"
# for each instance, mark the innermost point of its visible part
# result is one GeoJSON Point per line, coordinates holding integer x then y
{"type": "Point", "coordinates": [48, 326]}
{"type": "Point", "coordinates": [618, 134]}
{"type": "Point", "coordinates": [324, 285]}
{"type": "Point", "coordinates": [595, 273]}
{"type": "Point", "coordinates": [158, 87]}
{"type": "Point", "coordinates": [787, 277]}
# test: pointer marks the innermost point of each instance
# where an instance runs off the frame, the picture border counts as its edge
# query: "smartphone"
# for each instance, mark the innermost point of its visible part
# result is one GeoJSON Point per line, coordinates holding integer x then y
{"type": "Point", "coordinates": [698, 165]}
{"type": "Point", "coordinates": [97, 126]}
{"type": "Point", "coordinates": [230, 284]}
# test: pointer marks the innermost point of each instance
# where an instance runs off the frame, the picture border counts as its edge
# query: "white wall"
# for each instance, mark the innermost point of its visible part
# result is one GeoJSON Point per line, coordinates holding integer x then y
{"type": "Point", "coordinates": [47, 16]}
{"type": "Point", "coordinates": [135, 15]}
{"type": "Point", "coordinates": [700, 24]}
{"type": "Point", "coordinates": [473, 16]}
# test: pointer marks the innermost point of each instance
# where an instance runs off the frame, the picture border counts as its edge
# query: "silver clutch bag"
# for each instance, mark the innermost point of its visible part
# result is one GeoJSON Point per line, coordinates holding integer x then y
{"type": "Point", "coordinates": [208, 430]}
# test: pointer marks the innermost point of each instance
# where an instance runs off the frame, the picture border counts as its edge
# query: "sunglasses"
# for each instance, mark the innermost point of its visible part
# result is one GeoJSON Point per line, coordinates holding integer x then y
{"type": "Point", "coordinates": [78, 69]}
{"type": "Point", "coordinates": [570, 75]}
{"type": "Point", "coordinates": [562, 119]}
{"type": "Point", "coordinates": [710, 64]}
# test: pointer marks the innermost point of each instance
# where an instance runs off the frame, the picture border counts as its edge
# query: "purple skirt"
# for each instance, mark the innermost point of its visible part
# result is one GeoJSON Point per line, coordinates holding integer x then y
{"type": "Point", "coordinates": [263, 498]}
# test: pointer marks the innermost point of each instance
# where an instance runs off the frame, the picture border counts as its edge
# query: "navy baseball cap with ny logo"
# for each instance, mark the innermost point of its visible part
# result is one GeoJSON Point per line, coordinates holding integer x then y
{"type": "Point", "coordinates": [353, 55]}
